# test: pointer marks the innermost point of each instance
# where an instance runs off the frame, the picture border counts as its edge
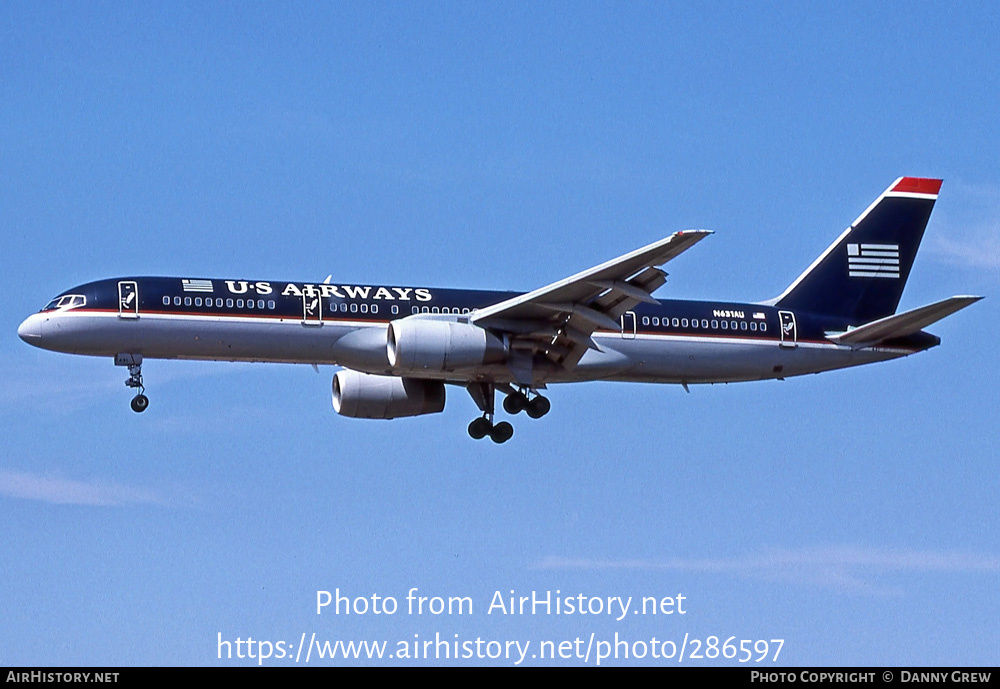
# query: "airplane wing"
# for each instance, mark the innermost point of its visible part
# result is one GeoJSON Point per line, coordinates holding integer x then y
{"type": "Point", "coordinates": [557, 320]}
{"type": "Point", "coordinates": [902, 324]}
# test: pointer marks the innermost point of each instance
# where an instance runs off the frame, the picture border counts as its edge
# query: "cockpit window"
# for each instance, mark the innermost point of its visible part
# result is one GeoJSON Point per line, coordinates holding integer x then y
{"type": "Point", "coordinates": [66, 301]}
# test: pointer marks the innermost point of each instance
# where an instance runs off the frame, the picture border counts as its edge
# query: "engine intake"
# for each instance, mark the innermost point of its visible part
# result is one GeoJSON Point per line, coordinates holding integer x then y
{"type": "Point", "coordinates": [367, 396]}
{"type": "Point", "coordinates": [420, 345]}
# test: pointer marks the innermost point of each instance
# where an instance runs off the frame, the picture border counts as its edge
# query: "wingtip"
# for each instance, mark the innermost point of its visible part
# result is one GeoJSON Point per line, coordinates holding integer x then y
{"type": "Point", "coordinates": [690, 234]}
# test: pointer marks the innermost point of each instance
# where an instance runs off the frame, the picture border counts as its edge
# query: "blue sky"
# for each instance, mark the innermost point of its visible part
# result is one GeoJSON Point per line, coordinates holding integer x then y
{"type": "Point", "coordinates": [853, 514]}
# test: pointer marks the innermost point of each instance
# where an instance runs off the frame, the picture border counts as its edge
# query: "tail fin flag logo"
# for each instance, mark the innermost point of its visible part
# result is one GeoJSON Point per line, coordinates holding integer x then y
{"type": "Point", "coordinates": [873, 260]}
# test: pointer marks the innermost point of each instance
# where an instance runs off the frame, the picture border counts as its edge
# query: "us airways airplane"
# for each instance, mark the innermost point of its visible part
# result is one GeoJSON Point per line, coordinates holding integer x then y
{"type": "Point", "coordinates": [400, 346]}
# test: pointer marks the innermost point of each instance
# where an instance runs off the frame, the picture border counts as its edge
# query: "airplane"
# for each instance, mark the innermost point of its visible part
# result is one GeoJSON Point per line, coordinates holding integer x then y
{"type": "Point", "coordinates": [400, 346]}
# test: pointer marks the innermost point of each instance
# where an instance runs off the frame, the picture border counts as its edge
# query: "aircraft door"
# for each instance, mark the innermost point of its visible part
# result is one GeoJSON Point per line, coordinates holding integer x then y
{"type": "Point", "coordinates": [789, 336]}
{"type": "Point", "coordinates": [628, 325]}
{"type": "Point", "coordinates": [312, 307]}
{"type": "Point", "coordinates": [128, 299]}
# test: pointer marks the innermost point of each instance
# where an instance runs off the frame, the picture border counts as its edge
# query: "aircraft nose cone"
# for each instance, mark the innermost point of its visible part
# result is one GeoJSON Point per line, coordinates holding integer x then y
{"type": "Point", "coordinates": [31, 330]}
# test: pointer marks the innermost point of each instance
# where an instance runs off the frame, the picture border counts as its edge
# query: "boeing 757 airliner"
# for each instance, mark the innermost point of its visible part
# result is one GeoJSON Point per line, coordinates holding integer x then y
{"type": "Point", "coordinates": [400, 346]}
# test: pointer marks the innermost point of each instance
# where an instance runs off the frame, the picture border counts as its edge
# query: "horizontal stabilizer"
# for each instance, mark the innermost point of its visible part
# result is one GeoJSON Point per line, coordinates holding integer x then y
{"type": "Point", "coordinates": [902, 324]}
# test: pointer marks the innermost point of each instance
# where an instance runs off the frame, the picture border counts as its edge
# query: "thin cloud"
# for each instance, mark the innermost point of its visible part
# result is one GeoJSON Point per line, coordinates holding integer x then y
{"type": "Point", "coordinates": [968, 234]}
{"type": "Point", "coordinates": [64, 491]}
{"type": "Point", "coordinates": [978, 252]}
{"type": "Point", "coordinates": [846, 568]}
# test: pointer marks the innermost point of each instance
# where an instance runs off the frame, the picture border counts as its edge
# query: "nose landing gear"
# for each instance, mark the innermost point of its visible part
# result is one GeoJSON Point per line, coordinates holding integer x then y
{"type": "Point", "coordinates": [134, 362]}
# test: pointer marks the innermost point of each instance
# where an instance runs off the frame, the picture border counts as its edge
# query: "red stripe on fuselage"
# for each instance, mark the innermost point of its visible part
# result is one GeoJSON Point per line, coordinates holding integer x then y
{"type": "Point", "coordinates": [608, 333]}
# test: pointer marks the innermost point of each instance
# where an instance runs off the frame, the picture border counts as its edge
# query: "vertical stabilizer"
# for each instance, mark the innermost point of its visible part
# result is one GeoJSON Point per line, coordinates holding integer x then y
{"type": "Point", "coordinates": [860, 278]}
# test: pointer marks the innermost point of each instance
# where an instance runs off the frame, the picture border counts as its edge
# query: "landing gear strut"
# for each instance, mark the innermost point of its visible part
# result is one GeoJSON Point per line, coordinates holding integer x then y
{"type": "Point", "coordinates": [483, 395]}
{"type": "Point", "coordinates": [134, 381]}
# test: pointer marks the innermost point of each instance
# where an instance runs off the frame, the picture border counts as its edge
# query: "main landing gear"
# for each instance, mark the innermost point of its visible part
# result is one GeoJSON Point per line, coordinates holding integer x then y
{"type": "Point", "coordinates": [514, 403]}
{"type": "Point", "coordinates": [484, 426]}
{"type": "Point", "coordinates": [134, 381]}
{"type": "Point", "coordinates": [536, 407]}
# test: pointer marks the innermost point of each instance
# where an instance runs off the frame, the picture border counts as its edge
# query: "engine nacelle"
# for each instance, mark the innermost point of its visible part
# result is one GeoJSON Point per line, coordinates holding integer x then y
{"type": "Point", "coordinates": [367, 396]}
{"type": "Point", "coordinates": [418, 345]}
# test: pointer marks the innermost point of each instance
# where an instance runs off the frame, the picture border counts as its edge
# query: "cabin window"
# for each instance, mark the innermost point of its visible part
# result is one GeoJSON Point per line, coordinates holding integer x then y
{"type": "Point", "coordinates": [197, 301]}
{"type": "Point", "coordinates": [260, 303]}
{"type": "Point", "coordinates": [763, 327]}
{"type": "Point", "coordinates": [374, 308]}
{"type": "Point", "coordinates": [715, 324]}
{"type": "Point", "coordinates": [343, 307]}
{"type": "Point", "coordinates": [177, 301]}
{"type": "Point", "coordinates": [270, 304]}
{"type": "Point", "coordinates": [645, 320]}
{"type": "Point", "coordinates": [166, 301]}
{"type": "Point", "coordinates": [229, 303]}
{"type": "Point", "coordinates": [239, 303]}
{"type": "Point", "coordinates": [725, 325]}
{"type": "Point", "coordinates": [395, 310]}
{"type": "Point", "coordinates": [743, 325]}
{"type": "Point", "coordinates": [364, 308]}
{"type": "Point", "coordinates": [354, 308]}
{"type": "Point", "coordinates": [704, 322]}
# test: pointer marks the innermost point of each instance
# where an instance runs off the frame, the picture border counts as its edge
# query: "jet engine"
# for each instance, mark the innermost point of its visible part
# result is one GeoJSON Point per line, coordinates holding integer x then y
{"type": "Point", "coordinates": [367, 396]}
{"type": "Point", "coordinates": [420, 345]}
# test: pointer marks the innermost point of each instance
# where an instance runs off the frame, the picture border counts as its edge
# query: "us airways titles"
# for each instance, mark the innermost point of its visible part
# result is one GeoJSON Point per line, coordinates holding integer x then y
{"type": "Point", "coordinates": [338, 291]}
